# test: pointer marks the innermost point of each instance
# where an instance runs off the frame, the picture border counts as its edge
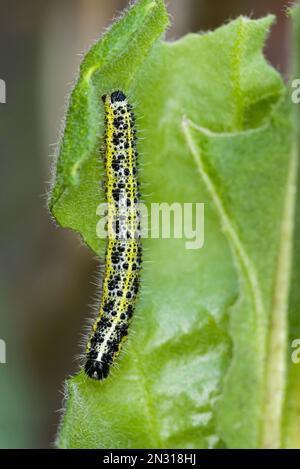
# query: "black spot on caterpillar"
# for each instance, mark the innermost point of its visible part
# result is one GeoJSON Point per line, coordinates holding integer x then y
{"type": "Point", "coordinates": [120, 283]}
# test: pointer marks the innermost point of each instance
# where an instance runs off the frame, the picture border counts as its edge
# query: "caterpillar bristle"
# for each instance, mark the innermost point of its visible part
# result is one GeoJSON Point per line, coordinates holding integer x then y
{"type": "Point", "coordinates": [120, 284]}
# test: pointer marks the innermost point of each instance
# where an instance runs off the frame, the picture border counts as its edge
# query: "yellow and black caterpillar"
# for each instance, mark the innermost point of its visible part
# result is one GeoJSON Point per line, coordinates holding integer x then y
{"type": "Point", "coordinates": [123, 254]}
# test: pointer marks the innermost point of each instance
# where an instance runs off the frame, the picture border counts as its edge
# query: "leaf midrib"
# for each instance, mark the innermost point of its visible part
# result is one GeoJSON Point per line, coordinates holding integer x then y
{"type": "Point", "coordinates": [276, 353]}
{"type": "Point", "coordinates": [274, 350]}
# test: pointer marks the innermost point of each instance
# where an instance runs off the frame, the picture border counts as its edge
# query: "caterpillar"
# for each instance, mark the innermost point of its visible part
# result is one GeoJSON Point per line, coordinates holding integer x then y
{"type": "Point", "coordinates": [120, 284]}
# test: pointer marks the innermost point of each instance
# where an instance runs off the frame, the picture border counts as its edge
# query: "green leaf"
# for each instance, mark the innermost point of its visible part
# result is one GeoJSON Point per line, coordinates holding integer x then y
{"type": "Point", "coordinates": [291, 420]}
{"type": "Point", "coordinates": [246, 175]}
{"type": "Point", "coordinates": [196, 371]}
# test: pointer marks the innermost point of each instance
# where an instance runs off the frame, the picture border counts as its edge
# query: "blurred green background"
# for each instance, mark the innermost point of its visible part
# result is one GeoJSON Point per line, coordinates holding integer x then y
{"type": "Point", "coordinates": [48, 278]}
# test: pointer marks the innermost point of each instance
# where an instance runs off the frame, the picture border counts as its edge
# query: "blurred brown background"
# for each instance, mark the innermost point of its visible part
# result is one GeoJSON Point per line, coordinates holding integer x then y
{"type": "Point", "coordinates": [47, 278]}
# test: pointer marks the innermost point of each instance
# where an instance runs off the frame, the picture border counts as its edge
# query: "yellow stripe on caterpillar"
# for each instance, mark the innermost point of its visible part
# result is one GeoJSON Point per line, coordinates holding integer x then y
{"type": "Point", "coordinates": [120, 283]}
